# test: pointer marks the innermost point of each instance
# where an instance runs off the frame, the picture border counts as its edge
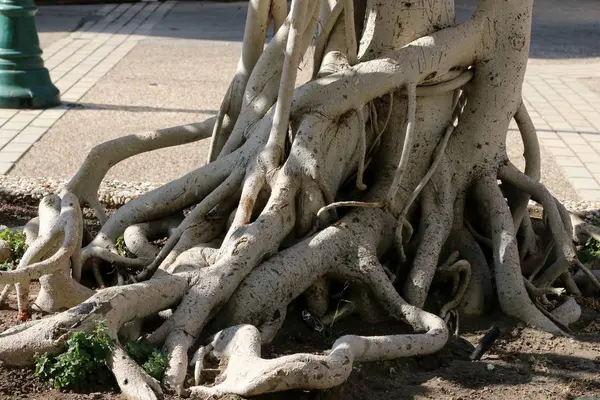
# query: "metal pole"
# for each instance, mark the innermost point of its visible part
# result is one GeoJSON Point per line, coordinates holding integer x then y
{"type": "Point", "coordinates": [24, 81]}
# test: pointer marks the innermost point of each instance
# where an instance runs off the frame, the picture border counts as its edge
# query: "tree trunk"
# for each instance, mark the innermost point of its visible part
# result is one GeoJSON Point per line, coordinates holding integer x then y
{"type": "Point", "coordinates": [388, 170]}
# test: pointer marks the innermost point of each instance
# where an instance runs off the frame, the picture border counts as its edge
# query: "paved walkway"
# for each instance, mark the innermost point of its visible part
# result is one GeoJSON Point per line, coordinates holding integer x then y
{"type": "Point", "coordinates": [148, 65]}
{"type": "Point", "coordinates": [566, 113]}
{"type": "Point", "coordinates": [76, 63]}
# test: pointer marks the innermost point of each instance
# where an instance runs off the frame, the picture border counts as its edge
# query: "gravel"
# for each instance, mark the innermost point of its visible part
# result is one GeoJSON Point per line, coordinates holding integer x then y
{"type": "Point", "coordinates": [111, 193]}
{"type": "Point", "coordinates": [116, 193]}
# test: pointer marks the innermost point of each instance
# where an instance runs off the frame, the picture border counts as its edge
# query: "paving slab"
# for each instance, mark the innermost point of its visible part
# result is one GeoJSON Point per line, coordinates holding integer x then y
{"type": "Point", "coordinates": [172, 76]}
{"type": "Point", "coordinates": [132, 67]}
{"type": "Point", "coordinates": [170, 87]}
{"type": "Point", "coordinates": [57, 22]}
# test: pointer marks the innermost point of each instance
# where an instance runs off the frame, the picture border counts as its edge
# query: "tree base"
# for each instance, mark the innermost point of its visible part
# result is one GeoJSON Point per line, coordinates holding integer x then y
{"type": "Point", "coordinates": [381, 188]}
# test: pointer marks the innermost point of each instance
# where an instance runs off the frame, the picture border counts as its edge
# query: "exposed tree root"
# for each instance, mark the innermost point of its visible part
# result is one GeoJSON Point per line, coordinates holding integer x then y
{"type": "Point", "coordinates": [382, 165]}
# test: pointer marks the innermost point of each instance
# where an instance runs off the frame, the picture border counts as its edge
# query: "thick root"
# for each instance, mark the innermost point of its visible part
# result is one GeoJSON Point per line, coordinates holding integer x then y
{"type": "Point", "coordinates": [512, 294]}
{"type": "Point", "coordinates": [247, 374]}
{"type": "Point", "coordinates": [133, 381]}
{"type": "Point", "coordinates": [263, 230]}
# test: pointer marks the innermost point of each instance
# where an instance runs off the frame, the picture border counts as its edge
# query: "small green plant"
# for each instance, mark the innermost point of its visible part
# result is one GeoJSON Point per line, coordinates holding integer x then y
{"type": "Point", "coordinates": [156, 365]}
{"type": "Point", "coordinates": [84, 358]}
{"type": "Point", "coordinates": [591, 251]}
{"type": "Point", "coordinates": [149, 357]}
{"type": "Point", "coordinates": [7, 265]}
{"type": "Point", "coordinates": [122, 248]}
{"type": "Point", "coordinates": [17, 248]}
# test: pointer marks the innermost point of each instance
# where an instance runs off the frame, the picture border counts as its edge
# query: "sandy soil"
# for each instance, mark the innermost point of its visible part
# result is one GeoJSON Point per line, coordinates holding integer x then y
{"type": "Point", "coordinates": [523, 363]}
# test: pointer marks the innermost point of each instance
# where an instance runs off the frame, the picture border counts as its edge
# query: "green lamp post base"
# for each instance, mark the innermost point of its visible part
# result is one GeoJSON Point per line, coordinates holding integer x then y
{"type": "Point", "coordinates": [24, 81]}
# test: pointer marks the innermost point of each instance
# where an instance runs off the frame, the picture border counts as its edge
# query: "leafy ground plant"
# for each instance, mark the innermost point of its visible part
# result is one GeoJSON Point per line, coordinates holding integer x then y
{"type": "Point", "coordinates": [85, 356]}
{"type": "Point", "coordinates": [149, 357]}
{"type": "Point", "coordinates": [122, 248]}
{"type": "Point", "coordinates": [17, 248]}
{"type": "Point", "coordinates": [591, 251]}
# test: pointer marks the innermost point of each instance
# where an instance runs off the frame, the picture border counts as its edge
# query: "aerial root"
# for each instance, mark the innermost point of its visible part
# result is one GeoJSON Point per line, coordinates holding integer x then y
{"type": "Point", "coordinates": [112, 257]}
{"type": "Point", "coordinates": [437, 160]}
{"type": "Point", "coordinates": [350, 33]}
{"type": "Point", "coordinates": [375, 124]}
{"type": "Point", "coordinates": [556, 219]}
{"type": "Point", "coordinates": [278, 13]}
{"type": "Point", "coordinates": [455, 268]}
{"type": "Point", "coordinates": [31, 231]}
{"type": "Point", "coordinates": [532, 162]}
{"type": "Point", "coordinates": [535, 292]}
{"type": "Point", "coordinates": [274, 152]}
{"type": "Point", "coordinates": [591, 276]}
{"type": "Point", "coordinates": [168, 199]}
{"type": "Point", "coordinates": [159, 335]}
{"type": "Point", "coordinates": [512, 294]}
{"type": "Point", "coordinates": [404, 159]}
{"type": "Point", "coordinates": [360, 125]}
{"type": "Point", "coordinates": [226, 189]}
{"type": "Point", "coordinates": [134, 382]}
{"type": "Point", "coordinates": [570, 285]}
{"type": "Point", "coordinates": [411, 91]}
{"type": "Point", "coordinates": [215, 284]}
{"type": "Point", "coordinates": [323, 39]}
{"type": "Point", "coordinates": [247, 374]}
{"type": "Point", "coordinates": [61, 234]}
{"type": "Point", "coordinates": [138, 237]}
{"type": "Point", "coordinates": [19, 344]}
{"type": "Point", "coordinates": [568, 312]}
{"type": "Point", "coordinates": [479, 291]}
{"type": "Point", "coordinates": [114, 306]}
{"type": "Point", "coordinates": [533, 265]}
{"type": "Point", "coordinates": [582, 230]}
{"type": "Point", "coordinates": [436, 222]}
{"type": "Point", "coordinates": [257, 21]}
{"type": "Point", "coordinates": [84, 185]}
{"type": "Point", "coordinates": [582, 281]}
{"type": "Point", "coordinates": [528, 246]}
{"type": "Point", "coordinates": [183, 328]}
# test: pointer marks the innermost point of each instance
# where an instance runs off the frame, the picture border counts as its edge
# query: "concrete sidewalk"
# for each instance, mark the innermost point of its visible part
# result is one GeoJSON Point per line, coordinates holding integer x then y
{"type": "Point", "coordinates": [133, 67]}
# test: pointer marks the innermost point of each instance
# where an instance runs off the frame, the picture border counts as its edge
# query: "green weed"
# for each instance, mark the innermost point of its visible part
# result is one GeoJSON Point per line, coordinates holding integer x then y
{"type": "Point", "coordinates": [83, 360]}
{"type": "Point", "coordinates": [591, 250]}
{"type": "Point", "coordinates": [17, 248]}
{"type": "Point", "coordinates": [122, 248]}
{"type": "Point", "coordinates": [149, 357]}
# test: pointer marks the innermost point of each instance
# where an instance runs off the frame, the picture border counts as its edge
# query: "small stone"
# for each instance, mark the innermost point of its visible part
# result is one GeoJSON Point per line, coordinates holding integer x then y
{"type": "Point", "coordinates": [490, 367]}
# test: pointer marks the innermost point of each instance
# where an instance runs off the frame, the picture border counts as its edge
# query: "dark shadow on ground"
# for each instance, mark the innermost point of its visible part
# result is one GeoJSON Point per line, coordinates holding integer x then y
{"type": "Point", "coordinates": [113, 107]}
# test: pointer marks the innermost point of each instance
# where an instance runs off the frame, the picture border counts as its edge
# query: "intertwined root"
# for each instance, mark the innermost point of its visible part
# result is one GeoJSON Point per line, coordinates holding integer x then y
{"type": "Point", "coordinates": [368, 176]}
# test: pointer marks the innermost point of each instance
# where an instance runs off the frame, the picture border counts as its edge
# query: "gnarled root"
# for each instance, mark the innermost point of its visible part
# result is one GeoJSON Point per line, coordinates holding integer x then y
{"type": "Point", "coordinates": [114, 306]}
{"type": "Point", "coordinates": [263, 230]}
{"type": "Point", "coordinates": [509, 281]}
{"type": "Point", "coordinates": [247, 374]}
{"type": "Point", "coordinates": [60, 234]}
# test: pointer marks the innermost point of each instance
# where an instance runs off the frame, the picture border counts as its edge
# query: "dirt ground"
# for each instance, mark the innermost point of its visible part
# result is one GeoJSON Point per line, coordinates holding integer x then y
{"type": "Point", "coordinates": [522, 364]}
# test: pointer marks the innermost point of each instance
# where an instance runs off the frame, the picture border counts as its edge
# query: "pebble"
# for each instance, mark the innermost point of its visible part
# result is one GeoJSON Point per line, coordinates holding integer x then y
{"type": "Point", "coordinates": [117, 193]}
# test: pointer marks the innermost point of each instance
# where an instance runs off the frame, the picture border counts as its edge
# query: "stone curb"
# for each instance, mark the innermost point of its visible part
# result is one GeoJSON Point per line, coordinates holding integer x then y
{"type": "Point", "coordinates": [111, 193]}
